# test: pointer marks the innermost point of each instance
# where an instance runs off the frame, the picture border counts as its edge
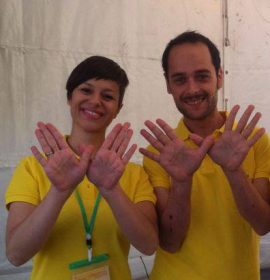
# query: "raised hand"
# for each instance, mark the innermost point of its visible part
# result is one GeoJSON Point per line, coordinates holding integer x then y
{"type": "Point", "coordinates": [110, 160]}
{"type": "Point", "coordinates": [174, 156]}
{"type": "Point", "coordinates": [232, 147]}
{"type": "Point", "coordinates": [61, 165]}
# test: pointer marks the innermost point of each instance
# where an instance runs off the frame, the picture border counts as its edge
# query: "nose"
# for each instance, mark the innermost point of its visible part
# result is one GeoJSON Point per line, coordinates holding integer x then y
{"type": "Point", "coordinates": [192, 86]}
{"type": "Point", "coordinates": [95, 98]}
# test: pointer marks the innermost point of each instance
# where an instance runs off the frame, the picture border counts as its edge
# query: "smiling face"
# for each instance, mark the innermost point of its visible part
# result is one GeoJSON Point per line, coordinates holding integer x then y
{"type": "Point", "coordinates": [94, 104]}
{"type": "Point", "coordinates": [192, 80]}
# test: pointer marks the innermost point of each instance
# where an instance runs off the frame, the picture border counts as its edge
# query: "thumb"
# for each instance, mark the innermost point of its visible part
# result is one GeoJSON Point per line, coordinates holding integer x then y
{"type": "Point", "coordinates": [207, 143]}
{"type": "Point", "coordinates": [86, 154]}
{"type": "Point", "coordinates": [197, 139]}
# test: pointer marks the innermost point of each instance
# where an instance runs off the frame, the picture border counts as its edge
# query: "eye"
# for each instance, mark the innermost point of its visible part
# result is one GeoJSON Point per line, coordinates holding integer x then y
{"type": "Point", "coordinates": [86, 90]}
{"type": "Point", "coordinates": [108, 96]}
{"type": "Point", "coordinates": [180, 80]}
{"type": "Point", "coordinates": [203, 77]}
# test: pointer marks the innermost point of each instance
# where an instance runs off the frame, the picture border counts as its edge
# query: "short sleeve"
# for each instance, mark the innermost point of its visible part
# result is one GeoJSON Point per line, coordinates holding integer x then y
{"type": "Point", "coordinates": [157, 175]}
{"type": "Point", "coordinates": [262, 157]}
{"type": "Point", "coordinates": [135, 182]}
{"type": "Point", "coordinates": [144, 190]}
{"type": "Point", "coordinates": [23, 185]}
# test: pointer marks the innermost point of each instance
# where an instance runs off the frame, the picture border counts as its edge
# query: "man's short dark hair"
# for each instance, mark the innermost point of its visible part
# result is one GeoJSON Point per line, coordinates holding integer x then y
{"type": "Point", "coordinates": [191, 37]}
{"type": "Point", "coordinates": [97, 67]}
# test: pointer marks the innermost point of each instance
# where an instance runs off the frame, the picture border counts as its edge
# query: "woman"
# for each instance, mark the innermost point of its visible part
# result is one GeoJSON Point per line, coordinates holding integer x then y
{"type": "Point", "coordinates": [52, 196]}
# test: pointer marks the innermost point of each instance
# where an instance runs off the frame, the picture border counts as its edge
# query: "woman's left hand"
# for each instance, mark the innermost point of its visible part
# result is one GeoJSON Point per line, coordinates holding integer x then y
{"type": "Point", "coordinates": [109, 163]}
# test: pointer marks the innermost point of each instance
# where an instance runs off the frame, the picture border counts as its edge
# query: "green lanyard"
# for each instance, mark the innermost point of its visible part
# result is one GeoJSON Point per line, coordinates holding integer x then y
{"type": "Point", "coordinates": [88, 227]}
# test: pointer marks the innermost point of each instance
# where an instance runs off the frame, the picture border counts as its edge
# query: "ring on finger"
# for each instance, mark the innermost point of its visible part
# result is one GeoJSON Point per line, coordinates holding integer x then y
{"type": "Point", "coordinates": [49, 153]}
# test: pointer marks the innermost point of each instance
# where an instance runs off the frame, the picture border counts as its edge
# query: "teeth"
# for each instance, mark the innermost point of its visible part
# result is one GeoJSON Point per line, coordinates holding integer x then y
{"type": "Point", "coordinates": [91, 113]}
{"type": "Point", "coordinates": [195, 100]}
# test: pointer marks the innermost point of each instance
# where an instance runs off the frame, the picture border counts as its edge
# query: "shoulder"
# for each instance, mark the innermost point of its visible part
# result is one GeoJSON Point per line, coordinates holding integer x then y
{"type": "Point", "coordinates": [30, 165]}
{"type": "Point", "coordinates": [27, 182]}
{"type": "Point", "coordinates": [134, 177]}
{"type": "Point", "coordinates": [134, 170]}
{"type": "Point", "coordinates": [136, 184]}
{"type": "Point", "coordinates": [263, 143]}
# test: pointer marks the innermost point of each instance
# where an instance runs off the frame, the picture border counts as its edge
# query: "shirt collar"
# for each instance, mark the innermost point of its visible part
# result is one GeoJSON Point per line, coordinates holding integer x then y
{"type": "Point", "coordinates": [183, 132]}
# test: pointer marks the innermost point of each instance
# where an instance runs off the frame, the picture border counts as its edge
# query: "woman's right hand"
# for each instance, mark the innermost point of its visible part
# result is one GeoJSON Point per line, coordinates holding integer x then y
{"type": "Point", "coordinates": [61, 165]}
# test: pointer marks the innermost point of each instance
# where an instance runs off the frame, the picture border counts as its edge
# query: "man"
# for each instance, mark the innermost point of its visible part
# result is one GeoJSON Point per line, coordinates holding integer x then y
{"type": "Point", "coordinates": [210, 174]}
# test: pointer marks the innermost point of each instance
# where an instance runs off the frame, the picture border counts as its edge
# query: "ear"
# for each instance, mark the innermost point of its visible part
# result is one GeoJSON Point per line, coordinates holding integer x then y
{"type": "Point", "coordinates": [219, 78]}
{"type": "Point", "coordinates": [167, 84]}
{"type": "Point", "coordinates": [119, 109]}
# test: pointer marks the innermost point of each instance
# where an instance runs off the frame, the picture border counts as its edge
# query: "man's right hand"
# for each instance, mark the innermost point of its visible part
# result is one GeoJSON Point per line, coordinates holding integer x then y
{"type": "Point", "coordinates": [174, 156]}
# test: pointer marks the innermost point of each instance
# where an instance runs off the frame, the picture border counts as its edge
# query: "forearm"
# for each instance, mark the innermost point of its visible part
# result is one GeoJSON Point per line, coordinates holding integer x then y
{"type": "Point", "coordinates": [251, 205]}
{"type": "Point", "coordinates": [140, 230]}
{"type": "Point", "coordinates": [175, 218]}
{"type": "Point", "coordinates": [27, 238]}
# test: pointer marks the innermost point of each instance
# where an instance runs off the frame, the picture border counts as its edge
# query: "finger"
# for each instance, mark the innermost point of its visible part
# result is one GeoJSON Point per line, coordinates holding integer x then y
{"type": "Point", "coordinates": [259, 133]}
{"type": "Point", "coordinates": [149, 154]}
{"type": "Point", "coordinates": [157, 132]}
{"type": "Point", "coordinates": [122, 148]}
{"type": "Point", "coordinates": [120, 137]}
{"type": "Point", "coordinates": [152, 140]}
{"type": "Point", "coordinates": [207, 144]}
{"type": "Point", "coordinates": [167, 129]}
{"type": "Point", "coordinates": [60, 139]}
{"type": "Point", "coordinates": [129, 154]}
{"type": "Point", "coordinates": [43, 142]}
{"type": "Point", "coordinates": [244, 118]}
{"type": "Point", "coordinates": [51, 142]}
{"type": "Point", "coordinates": [231, 118]}
{"type": "Point", "coordinates": [250, 127]}
{"type": "Point", "coordinates": [38, 156]}
{"type": "Point", "coordinates": [86, 155]}
{"type": "Point", "coordinates": [198, 140]}
{"type": "Point", "coordinates": [111, 136]}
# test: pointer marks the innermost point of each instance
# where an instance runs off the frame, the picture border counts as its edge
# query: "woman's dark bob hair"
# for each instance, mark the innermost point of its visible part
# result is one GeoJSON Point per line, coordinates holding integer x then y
{"type": "Point", "coordinates": [97, 67]}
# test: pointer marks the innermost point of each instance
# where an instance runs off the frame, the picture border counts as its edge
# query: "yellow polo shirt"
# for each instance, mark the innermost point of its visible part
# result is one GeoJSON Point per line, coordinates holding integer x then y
{"type": "Point", "coordinates": [66, 243]}
{"type": "Point", "coordinates": [219, 244]}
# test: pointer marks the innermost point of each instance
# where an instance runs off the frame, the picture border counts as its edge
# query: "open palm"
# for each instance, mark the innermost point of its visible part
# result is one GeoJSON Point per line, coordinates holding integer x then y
{"type": "Point", "coordinates": [62, 167]}
{"type": "Point", "coordinates": [179, 160]}
{"type": "Point", "coordinates": [232, 147]}
{"type": "Point", "coordinates": [230, 150]}
{"type": "Point", "coordinates": [110, 161]}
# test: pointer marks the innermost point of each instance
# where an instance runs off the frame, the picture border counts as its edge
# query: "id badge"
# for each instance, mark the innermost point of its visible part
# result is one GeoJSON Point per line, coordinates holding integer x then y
{"type": "Point", "coordinates": [96, 269]}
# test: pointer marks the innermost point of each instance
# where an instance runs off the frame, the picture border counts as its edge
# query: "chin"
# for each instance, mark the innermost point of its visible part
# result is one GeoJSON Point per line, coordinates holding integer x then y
{"type": "Point", "coordinates": [197, 115]}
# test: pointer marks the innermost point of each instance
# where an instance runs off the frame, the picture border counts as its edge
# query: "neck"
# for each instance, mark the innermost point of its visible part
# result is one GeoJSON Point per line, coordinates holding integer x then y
{"type": "Point", "coordinates": [77, 139]}
{"type": "Point", "coordinates": [205, 126]}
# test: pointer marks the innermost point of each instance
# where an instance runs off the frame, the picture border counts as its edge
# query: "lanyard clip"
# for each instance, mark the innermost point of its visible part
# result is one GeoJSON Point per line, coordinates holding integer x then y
{"type": "Point", "coordinates": [89, 254]}
{"type": "Point", "coordinates": [88, 240]}
{"type": "Point", "coordinates": [89, 246]}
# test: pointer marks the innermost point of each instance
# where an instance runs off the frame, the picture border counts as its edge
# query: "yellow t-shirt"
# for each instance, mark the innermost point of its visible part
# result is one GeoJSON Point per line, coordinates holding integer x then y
{"type": "Point", "coordinates": [219, 243]}
{"type": "Point", "coordinates": [66, 243]}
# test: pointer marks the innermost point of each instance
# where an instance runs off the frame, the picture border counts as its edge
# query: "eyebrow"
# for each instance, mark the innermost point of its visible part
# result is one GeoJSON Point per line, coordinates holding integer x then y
{"type": "Point", "coordinates": [183, 74]}
{"type": "Point", "coordinates": [90, 85]}
{"type": "Point", "coordinates": [202, 71]}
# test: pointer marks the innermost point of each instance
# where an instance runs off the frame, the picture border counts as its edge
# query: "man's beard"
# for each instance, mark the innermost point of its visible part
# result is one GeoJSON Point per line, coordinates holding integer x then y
{"type": "Point", "coordinates": [212, 105]}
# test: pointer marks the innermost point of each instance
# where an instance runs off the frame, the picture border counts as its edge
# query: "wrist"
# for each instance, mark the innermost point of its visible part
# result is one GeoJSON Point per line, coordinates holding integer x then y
{"type": "Point", "coordinates": [59, 195]}
{"type": "Point", "coordinates": [231, 171]}
{"type": "Point", "coordinates": [185, 181]}
{"type": "Point", "coordinates": [181, 187]}
{"type": "Point", "coordinates": [111, 193]}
